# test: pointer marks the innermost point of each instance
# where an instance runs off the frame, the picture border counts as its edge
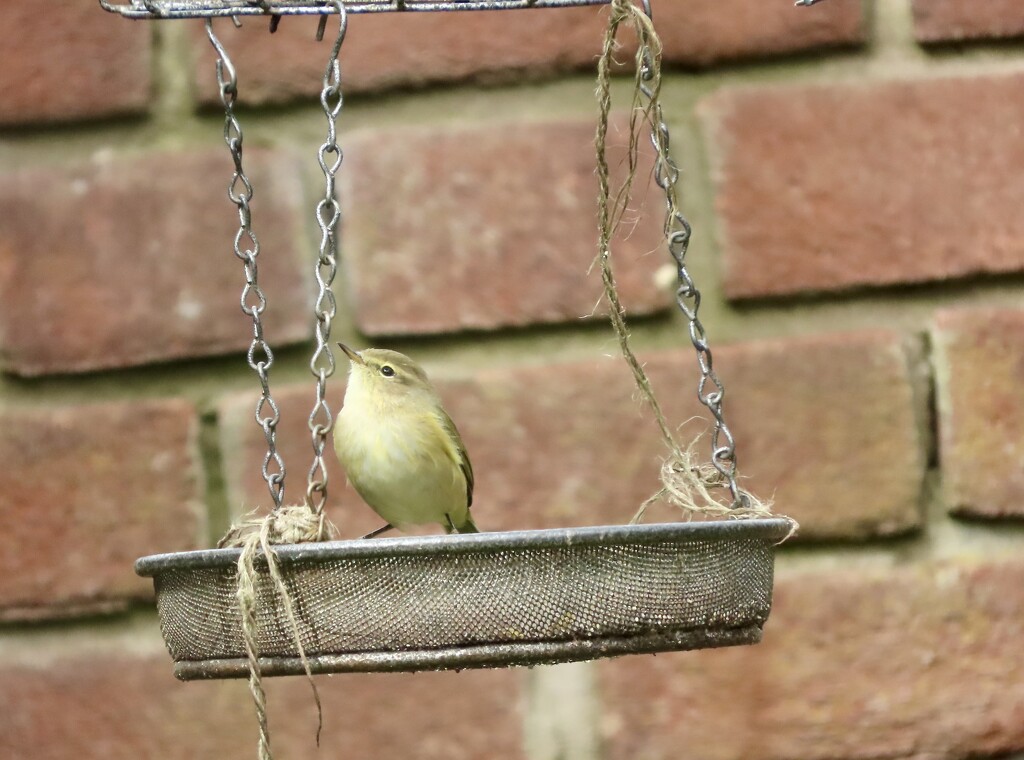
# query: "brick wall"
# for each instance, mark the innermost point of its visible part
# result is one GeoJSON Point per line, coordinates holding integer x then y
{"type": "Point", "coordinates": [854, 175]}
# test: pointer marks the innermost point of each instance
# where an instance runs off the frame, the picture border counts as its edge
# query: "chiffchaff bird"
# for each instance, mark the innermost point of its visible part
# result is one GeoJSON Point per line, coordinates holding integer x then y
{"type": "Point", "coordinates": [399, 447]}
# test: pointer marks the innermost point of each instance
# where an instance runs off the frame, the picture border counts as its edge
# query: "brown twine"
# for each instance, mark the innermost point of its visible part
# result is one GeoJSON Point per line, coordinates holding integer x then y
{"type": "Point", "coordinates": [285, 525]}
{"type": "Point", "coordinates": [686, 484]}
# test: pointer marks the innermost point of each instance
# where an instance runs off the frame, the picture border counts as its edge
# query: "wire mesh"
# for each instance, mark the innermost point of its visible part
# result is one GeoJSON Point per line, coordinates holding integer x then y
{"type": "Point", "coordinates": [487, 600]}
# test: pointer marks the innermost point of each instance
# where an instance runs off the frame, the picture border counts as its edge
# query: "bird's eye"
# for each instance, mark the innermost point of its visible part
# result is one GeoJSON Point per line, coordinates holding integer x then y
{"type": "Point", "coordinates": [387, 371]}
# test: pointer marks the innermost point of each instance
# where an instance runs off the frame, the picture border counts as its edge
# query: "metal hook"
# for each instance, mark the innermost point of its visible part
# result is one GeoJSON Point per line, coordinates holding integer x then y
{"type": "Point", "coordinates": [646, 5]}
{"type": "Point", "coordinates": [223, 61]}
{"type": "Point", "coordinates": [264, 5]}
{"type": "Point", "coordinates": [342, 28]}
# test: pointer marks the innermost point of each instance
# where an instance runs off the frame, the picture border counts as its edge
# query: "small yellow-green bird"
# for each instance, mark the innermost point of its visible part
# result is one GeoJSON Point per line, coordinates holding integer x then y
{"type": "Point", "coordinates": [399, 447]}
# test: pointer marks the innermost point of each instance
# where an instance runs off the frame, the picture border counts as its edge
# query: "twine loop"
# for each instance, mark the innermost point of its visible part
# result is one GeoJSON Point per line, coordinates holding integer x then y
{"type": "Point", "coordinates": [705, 489]}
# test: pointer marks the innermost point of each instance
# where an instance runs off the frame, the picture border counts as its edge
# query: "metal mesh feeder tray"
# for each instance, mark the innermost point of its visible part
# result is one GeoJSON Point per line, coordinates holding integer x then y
{"type": "Point", "coordinates": [475, 601]}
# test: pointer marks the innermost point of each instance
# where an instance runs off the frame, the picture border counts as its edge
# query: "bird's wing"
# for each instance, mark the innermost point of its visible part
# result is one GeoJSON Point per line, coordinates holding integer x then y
{"type": "Point", "coordinates": [464, 463]}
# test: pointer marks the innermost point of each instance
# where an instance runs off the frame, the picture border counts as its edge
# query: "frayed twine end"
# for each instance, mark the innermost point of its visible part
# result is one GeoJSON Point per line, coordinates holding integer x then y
{"type": "Point", "coordinates": [697, 488]}
{"type": "Point", "coordinates": [294, 524]}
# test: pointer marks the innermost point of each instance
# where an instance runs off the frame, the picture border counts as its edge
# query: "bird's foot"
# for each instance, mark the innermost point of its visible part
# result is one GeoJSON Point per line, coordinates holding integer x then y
{"type": "Point", "coordinates": [382, 529]}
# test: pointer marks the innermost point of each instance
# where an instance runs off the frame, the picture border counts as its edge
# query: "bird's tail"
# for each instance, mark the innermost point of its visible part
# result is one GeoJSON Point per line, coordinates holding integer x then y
{"type": "Point", "coordinates": [467, 526]}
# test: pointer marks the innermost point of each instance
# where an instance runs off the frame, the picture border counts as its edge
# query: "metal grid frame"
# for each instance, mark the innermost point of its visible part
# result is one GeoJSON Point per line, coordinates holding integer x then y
{"type": "Point", "coordinates": [168, 9]}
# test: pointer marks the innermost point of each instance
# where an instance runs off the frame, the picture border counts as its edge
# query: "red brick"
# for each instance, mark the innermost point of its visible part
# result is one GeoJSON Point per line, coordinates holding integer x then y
{"type": "Point", "coordinates": [486, 227]}
{"type": "Point", "coordinates": [949, 20]}
{"type": "Point", "coordinates": [387, 50]}
{"type": "Point", "coordinates": [857, 662]}
{"type": "Point", "coordinates": [121, 707]}
{"type": "Point", "coordinates": [979, 367]}
{"type": "Point", "coordinates": [830, 188]}
{"type": "Point", "coordinates": [68, 60]}
{"type": "Point", "coordinates": [93, 488]}
{"type": "Point", "coordinates": [695, 32]}
{"type": "Point", "coordinates": [134, 258]}
{"type": "Point", "coordinates": [827, 425]}
{"type": "Point", "coordinates": [563, 445]}
{"type": "Point", "coordinates": [831, 426]}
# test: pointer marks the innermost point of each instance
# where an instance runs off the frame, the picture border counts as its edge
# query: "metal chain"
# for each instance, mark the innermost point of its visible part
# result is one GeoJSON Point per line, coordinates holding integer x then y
{"type": "Point", "coordinates": [328, 214]}
{"type": "Point", "coordinates": [677, 232]}
{"type": "Point", "coordinates": [247, 248]}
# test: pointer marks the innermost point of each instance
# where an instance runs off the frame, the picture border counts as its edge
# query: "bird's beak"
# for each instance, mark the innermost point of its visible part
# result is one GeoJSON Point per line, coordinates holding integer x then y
{"type": "Point", "coordinates": [352, 354]}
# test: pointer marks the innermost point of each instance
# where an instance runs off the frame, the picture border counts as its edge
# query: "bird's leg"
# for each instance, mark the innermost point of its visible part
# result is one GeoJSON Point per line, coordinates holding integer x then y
{"type": "Point", "coordinates": [449, 525]}
{"type": "Point", "coordinates": [382, 529]}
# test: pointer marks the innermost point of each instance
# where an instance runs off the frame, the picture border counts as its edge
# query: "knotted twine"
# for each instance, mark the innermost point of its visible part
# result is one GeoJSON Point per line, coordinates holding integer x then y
{"type": "Point", "coordinates": [285, 525]}
{"type": "Point", "coordinates": [687, 484]}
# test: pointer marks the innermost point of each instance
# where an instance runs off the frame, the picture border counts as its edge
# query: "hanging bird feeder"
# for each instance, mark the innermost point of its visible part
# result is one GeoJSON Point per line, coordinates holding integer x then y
{"type": "Point", "coordinates": [458, 601]}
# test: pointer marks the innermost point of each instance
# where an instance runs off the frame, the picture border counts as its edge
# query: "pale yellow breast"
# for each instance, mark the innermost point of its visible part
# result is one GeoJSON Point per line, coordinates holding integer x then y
{"type": "Point", "coordinates": [403, 464]}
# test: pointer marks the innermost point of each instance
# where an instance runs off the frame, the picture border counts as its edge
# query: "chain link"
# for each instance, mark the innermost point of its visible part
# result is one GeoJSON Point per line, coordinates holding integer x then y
{"type": "Point", "coordinates": [328, 214]}
{"type": "Point", "coordinates": [710, 390]}
{"type": "Point", "coordinates": [247, 248]}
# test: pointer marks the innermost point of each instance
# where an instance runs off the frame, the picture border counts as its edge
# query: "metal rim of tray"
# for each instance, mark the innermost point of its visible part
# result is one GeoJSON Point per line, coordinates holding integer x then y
{"type": "Point", "coordinates": [506, 547]}
{"type": "Point", "coordinates": [399, 546]}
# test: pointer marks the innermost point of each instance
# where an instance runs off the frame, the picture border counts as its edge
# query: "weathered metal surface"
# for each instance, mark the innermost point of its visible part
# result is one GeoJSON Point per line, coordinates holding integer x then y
{"type": "Point", "coordinates": [484, 600]}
